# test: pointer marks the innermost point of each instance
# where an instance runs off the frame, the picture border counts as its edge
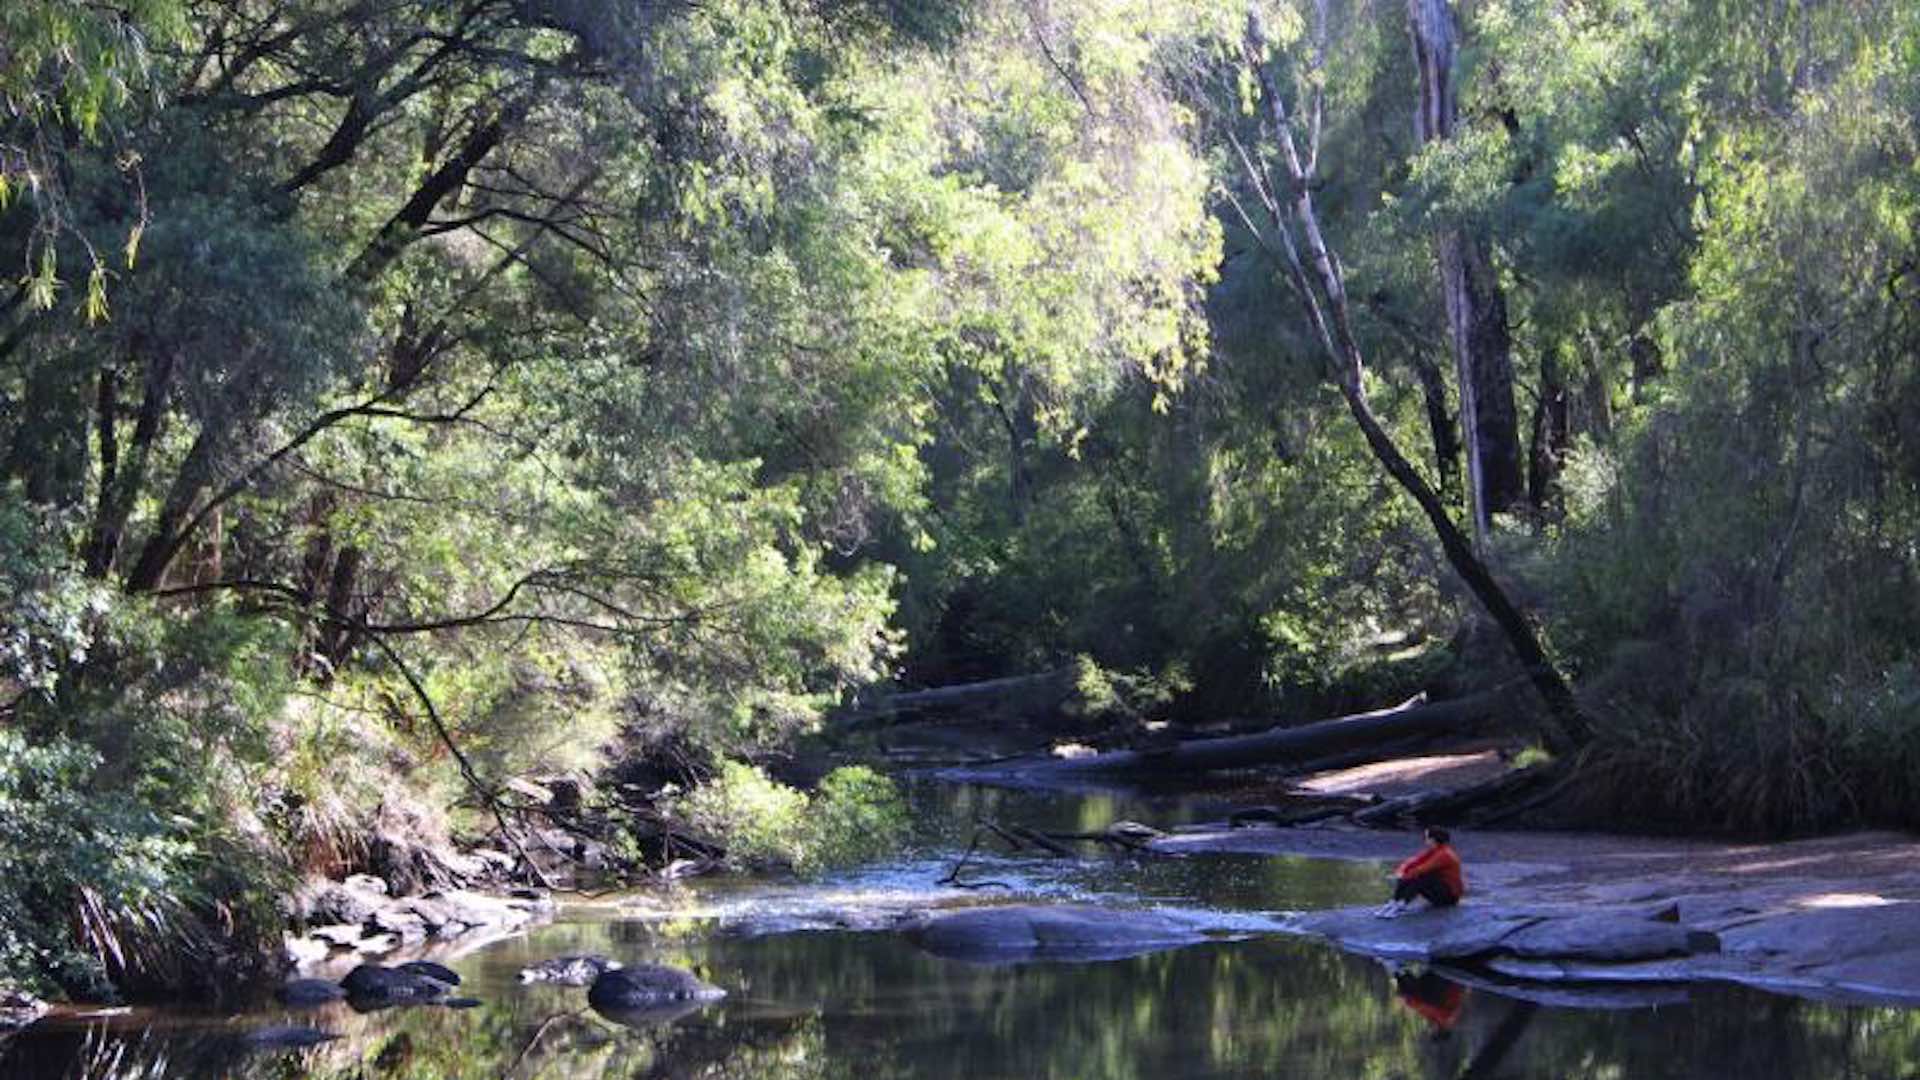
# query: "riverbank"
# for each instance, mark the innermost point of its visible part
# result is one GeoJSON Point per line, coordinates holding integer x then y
{"type": "Point", "coordinates": [1835, 918]}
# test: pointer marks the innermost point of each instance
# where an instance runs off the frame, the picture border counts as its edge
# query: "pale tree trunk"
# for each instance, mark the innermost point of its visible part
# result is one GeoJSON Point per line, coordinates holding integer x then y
{"type": "Point", "coordinates": [1318, 281]}
{"type": "Point", "coordinates": [1476, 309]}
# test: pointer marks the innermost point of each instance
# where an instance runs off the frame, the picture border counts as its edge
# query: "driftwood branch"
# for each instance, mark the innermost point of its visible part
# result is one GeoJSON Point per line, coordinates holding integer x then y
{"type": "Point", "coordinates": [953, 876]}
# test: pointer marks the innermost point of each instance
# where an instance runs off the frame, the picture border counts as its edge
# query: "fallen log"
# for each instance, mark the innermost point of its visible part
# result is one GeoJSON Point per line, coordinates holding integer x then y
{"type": "Point", "coordinates": [1504, 795]}
{"type": "Point", "coordinates": [1357, 739]}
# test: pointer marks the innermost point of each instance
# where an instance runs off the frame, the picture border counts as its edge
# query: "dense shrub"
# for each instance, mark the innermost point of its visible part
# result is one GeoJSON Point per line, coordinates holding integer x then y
{"type": "Point", "coordinates": [856, 813]}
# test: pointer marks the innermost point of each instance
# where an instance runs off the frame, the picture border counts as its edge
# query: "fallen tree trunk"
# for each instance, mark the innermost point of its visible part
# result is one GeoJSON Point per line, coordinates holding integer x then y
{"type": "Point", "coordinates": [1018, 696]}
{"type": "Point", "coordinates": [1388, 731]}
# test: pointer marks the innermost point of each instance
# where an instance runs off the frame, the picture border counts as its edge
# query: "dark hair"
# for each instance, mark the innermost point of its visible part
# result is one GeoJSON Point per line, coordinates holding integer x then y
{"type": "Point", "coordinates": [1438, 835]}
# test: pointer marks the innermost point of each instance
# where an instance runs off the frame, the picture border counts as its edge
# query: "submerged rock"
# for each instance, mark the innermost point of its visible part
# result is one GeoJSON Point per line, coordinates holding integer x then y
{"type": "Point", "coordinates": [651, 1016]}
{"type": "Point", "coordinates": [579, 970]}
{"type": "Point", "coordinates": [310, 992]}
{"type": "Point", "coordinates": [649, 986]}
{"type": "Point", "coordinates": [1070, 932]}
{"type": "Point", "coordinates": [429, 970]}
{"type": "Point", "coordinates": [287, 1036]}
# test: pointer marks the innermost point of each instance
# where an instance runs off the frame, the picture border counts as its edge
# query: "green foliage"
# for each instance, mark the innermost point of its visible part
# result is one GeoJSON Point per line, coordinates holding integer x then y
{"type": "Point", "coordinates": [855, 814]}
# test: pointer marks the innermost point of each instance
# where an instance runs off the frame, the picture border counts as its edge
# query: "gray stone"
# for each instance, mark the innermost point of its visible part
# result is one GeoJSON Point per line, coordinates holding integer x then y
{"type": "Point", "coordinates": [377, 945]}
{"type": "Point", "coordinates": [647, 986]}
{"type": "Point", "coordinates": [569, 970]}
{"type": "Point", "coordinates": [303, 951]}
{"type": "Point", "coordinates": [427, 969]}
{"type": "Point", "coordinates": [372, 984]}
{"type": "Point", "coordinates": [366, 883]}
{"type": "Point", "coordinates": [651, 1016]}
{"type": "Point", "coordinates": [399, 922]}
{"type": "Point", "coordinates": [1604, 937]}
{"type": "Point", "coordinates": [337, 902]}
{"type": "Point", "coordinates": [999, 935]}
{"type": "Point", "coordinates": [339, 935]}
{"type": "Point", "coordinates": [1423, 934]}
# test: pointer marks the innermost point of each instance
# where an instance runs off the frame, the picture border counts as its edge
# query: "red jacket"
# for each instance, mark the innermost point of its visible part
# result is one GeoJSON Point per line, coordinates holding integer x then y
{"type": "Point", "coordinates": [1436, 859]}
{"type": "Point", "coordinates": [1443, 1011]}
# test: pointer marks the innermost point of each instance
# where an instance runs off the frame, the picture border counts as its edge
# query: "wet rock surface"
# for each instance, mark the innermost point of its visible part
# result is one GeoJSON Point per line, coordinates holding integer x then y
{"type": "Point", "coordinates": [1836, 918]}
{"type": "Point", "coordinates": [1071, 932]}
{"type": "Point", "coordinates": [647, 987]}
{"type": "Point", "coordinates": [373, 985]}
{"type": "Point", "coordinates": [577, 970]}
{"type": "Point", "coordinates": [1474, 932]}
{"type": "Point", "coordinates": [356, 918]}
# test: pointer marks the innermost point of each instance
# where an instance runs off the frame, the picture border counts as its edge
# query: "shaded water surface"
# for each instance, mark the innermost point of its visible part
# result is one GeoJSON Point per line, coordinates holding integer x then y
{"type": "Point", "coordinates": [828, 1003]}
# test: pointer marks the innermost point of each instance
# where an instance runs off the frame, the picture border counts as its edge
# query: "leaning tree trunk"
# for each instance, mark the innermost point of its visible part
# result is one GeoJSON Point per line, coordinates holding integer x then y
{"type": "Point", "coordinates": [1333, 324]}
{"type": "Point", "coordinates": [1476, 309]}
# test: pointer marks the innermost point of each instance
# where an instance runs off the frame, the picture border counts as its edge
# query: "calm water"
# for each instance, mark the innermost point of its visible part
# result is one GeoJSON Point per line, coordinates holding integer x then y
{"type": "Point", "coordinates": [832, 1003]}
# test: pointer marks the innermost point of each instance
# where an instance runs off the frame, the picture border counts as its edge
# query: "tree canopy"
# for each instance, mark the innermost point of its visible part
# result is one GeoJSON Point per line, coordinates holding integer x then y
{"type": "Point", "coordinates": [398, 399]}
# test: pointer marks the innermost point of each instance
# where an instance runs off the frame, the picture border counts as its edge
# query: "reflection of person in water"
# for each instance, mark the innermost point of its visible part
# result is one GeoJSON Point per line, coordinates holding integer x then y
{"type": "Point", "coordinates": [1437, 1000]}
{"type": "Point", "coordinates": [1433, 874]}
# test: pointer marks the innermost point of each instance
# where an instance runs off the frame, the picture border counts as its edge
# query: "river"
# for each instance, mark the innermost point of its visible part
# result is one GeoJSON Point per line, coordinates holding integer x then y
{"type": "Point", "coordinates": [811, 1000]}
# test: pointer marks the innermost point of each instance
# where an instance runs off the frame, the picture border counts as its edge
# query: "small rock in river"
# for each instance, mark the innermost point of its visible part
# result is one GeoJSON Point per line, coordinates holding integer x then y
{"type": "Point", "coordinates": [377, 987]}
{"type": "Point", "coordinates": [1078, 932]}
{"type": "Point", "coordinates": [430, 970]}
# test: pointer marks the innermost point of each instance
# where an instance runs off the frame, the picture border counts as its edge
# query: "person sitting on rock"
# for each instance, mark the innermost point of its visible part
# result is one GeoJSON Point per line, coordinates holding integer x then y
{"type": "Point", "coordinates": [1433, 875]}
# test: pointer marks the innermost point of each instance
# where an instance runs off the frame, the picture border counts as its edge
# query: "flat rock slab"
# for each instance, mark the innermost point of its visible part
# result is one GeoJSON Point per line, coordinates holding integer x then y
{"type": "Point", "coordinates": [1065, 932]}
{"type": "Point", "coordinates": [1834, 918]}
{"type": "Point", "coordinates": [1604, 937]}
{"type": "Point", "coordinates": [1477, 932]}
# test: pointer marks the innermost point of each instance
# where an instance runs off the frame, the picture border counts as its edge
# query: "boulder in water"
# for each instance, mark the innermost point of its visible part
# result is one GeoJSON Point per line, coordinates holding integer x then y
{"type": "Point", "coordinates": [569, 970]}
{"type": "Point", "coordinates": [649, 986]}
{"type": "Point", "coordinates": [1066, 932]}
{"type": "Point", "coordinates": [371, 985]}
{"type": "Point", "coordinates": [427, 969]}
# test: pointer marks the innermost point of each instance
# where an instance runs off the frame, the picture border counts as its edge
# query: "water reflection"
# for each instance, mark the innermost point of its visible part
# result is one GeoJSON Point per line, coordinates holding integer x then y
{"type": "Point", "coordinates": [869, 1006]}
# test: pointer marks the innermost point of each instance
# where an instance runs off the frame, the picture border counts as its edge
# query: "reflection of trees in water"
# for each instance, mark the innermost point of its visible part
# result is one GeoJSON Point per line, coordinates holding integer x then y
{"type": "Point", "coordinates": [870, 1007]}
